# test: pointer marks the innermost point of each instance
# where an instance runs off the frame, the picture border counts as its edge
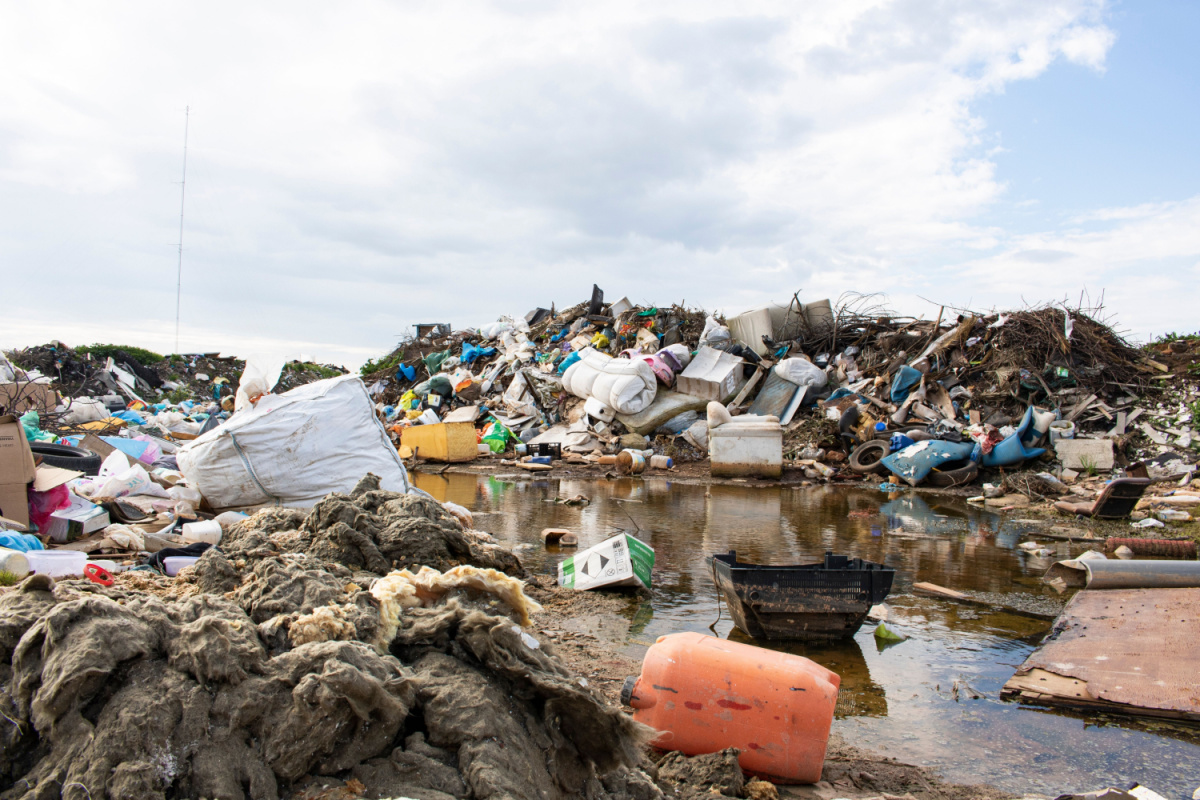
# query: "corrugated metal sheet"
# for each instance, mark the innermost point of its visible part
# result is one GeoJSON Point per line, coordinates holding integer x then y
{"type": "Point", "coordinates": [1133, 647]}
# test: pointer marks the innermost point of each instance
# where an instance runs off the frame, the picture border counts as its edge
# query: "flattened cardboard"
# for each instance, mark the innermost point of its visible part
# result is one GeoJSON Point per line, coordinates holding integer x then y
{"type": "Point", "coordinates": [17, 398]}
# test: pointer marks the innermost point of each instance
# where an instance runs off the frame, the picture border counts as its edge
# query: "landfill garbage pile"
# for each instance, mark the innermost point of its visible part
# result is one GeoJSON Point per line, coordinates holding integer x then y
{"type": "Point", "coordinates": [97, 381]}
{"type": "Point", "coordinates": [290, 659]}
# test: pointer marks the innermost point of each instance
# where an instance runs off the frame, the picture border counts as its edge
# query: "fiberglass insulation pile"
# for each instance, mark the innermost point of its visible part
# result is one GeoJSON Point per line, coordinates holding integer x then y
{"type": "Point", "coordinates": [291, 660]}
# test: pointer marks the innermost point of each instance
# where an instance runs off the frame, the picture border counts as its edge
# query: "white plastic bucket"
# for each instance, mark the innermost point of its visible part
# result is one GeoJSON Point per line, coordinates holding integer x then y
{"type": "Point", "coordinates": [1061, 429]}
{"type": "Point", "coordinates": [208, 531]}
{"type": "Point", "coordinates": [56, 562]}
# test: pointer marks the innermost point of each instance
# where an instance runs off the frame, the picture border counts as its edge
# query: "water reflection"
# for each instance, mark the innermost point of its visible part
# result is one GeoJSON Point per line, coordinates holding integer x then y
{"type": "Point", "coordinates": [899, 701]}
{"type": "Point", "coordinates": [859, 695]}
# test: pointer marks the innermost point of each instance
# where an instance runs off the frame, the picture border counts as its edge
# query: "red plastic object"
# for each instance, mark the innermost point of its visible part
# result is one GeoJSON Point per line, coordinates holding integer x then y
{"type": "Point", "coordinates": [704, 694]}
{"type": "Point", "coordinates": [98, 574]}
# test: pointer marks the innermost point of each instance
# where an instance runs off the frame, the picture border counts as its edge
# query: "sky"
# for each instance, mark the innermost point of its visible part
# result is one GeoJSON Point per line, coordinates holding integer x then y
{"type": "Point", "coordinates": [355, 168]}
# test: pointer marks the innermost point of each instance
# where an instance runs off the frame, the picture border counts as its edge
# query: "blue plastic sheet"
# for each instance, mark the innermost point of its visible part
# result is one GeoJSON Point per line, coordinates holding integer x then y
{"type": "Point", "coordinates": [558, 337]}
{"type": "Point", "coordinates": [132, 417]}
{"type": "Point", "coordinates": [1013, 450]}
{"type": "Point", "coordinates": [405, 372]}
{"type": "Point", "coordinates": [471, 352]}
{"type": "Point", "coordinates": [906, 378]}
{"type": "Point", "coordinates": [567, 362]}
{"type": "Point", "coordinates": [914, 463]}
{"type": "Point", "coordinates": [21, 541]}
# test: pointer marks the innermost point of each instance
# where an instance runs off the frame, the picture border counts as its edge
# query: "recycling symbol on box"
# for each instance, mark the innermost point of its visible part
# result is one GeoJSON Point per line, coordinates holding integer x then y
{"type": "Point", "coordinates": [594, 565]}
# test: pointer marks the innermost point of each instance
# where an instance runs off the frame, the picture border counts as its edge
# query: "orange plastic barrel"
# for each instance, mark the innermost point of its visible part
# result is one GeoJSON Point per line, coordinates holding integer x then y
{"type": "Point", "coordinates": [705, 694]}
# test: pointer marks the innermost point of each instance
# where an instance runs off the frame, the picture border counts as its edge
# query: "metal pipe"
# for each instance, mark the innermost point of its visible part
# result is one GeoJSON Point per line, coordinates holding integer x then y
{"type": "Point", "coordinates": [1156, 574]}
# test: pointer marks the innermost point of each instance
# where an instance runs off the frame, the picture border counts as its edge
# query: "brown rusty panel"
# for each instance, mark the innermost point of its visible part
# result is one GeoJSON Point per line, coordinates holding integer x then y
{"type": "Point", "coordinates": [1134, 647]}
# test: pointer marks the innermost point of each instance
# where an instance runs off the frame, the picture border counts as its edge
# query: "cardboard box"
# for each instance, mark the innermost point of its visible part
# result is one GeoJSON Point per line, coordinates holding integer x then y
{"type": "Point", "coordinates": [712, 375]}
{"type": "Point", "coordinates": [17, 398]}
{"type": "Point", "coordinates": [76, 521]}
{"type": "Point", "coordinates": [619, 561]}
{"type": "Point", "coordinates": [16, 470]}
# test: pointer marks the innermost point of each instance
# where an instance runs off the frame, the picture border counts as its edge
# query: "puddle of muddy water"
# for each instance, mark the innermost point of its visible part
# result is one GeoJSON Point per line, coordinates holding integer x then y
{"type": "Point", "coordinates": [912, 701]}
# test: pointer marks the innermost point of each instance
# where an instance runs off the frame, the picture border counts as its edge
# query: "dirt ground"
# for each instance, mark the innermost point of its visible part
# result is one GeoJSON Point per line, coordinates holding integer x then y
{"type": "Point", "coordinates": [850, 772]}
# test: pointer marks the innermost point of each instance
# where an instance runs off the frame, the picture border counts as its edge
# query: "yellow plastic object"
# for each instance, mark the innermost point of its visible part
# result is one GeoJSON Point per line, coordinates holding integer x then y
{"type": "Point", "coordinates": [104, 424]}
{"type": "Point", "coordinates": [442, 441]}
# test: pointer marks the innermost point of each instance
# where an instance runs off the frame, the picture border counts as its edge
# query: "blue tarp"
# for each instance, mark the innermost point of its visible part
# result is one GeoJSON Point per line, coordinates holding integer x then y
{"type": "Point", "coordinates": [906, 378]}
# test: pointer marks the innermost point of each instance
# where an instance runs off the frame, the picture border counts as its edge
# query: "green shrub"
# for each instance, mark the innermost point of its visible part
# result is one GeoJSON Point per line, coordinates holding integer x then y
{"type": "Point", "coordinates": [140, 354]}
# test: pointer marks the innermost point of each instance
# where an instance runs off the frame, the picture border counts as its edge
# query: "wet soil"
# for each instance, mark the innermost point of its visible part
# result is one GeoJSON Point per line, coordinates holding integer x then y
{"type": "Point", "coordinates": [931, 701]}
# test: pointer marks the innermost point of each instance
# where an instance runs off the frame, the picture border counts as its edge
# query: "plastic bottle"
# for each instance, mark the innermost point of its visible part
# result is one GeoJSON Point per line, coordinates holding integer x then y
{"type": "Point", "coordinates": [14, 562]}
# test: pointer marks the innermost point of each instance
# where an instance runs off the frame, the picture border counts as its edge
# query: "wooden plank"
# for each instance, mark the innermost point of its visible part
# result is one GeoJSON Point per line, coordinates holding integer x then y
{"type": "Point", "coordinates": [737, 401]}
{"type": "Point", "coordinates": [1079, 409]}
{"type": "Point", "coordinates": [933, 590]}
{"type": "Point", "coordinates": [1158, 366]}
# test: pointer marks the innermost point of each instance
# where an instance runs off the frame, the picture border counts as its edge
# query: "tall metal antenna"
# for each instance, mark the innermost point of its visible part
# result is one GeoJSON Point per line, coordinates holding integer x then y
{"type": "Point", "coordinates": [182, 195]}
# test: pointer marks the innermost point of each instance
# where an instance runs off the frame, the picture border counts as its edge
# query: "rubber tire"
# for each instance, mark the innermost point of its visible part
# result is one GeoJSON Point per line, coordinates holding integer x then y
{"type": "Point", "coordinates": [868, 457]}
{"type": "Point", "coordinates": [954, 477]}
{"type": "Point", "coordinates": [67, 457]}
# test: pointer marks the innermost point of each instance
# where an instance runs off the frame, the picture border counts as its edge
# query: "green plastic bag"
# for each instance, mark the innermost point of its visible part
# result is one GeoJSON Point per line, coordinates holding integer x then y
{"type": "Point", "coordinates": [884, 634]}
{"type": "Point", "coordinates": [31, 422]}
{"type": "Point", "coordinates": [496, 437]}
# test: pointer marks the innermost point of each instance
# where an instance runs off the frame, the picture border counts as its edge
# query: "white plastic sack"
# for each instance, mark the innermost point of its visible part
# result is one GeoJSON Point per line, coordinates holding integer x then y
{"type": "Point", "coordinates": [715, 333]}
{"type": "Point", "coordinates": [801, 372]}
{"type": "Point", "coordinates": [626, 386]}
{"type": "Point", "coordinates": [258, 378]}
{"type": "Point", "coordinates": [293, 449]}
{"type": "Point", "coordinates": [84, 409]}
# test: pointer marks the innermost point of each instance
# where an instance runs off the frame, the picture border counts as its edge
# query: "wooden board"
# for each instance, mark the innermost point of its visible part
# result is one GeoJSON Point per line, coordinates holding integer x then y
{"type": "Point", "coordinates": [1128, 651]}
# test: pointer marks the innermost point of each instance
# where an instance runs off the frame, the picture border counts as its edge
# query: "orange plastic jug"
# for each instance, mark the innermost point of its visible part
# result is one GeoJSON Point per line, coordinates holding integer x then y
{"type": "Point", "coordinates": [704, 694]}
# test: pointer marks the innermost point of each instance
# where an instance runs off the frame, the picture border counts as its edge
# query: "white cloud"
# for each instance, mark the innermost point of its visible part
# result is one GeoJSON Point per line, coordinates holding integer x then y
{"type": "Point", "coordinates": [357, 168]}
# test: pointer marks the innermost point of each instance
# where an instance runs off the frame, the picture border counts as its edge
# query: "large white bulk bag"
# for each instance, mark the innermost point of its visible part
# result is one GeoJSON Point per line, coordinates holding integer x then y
{"type": "Point", "coordinates": [292, 449]}
{"type": "Point", "coordinates": [626, 386]}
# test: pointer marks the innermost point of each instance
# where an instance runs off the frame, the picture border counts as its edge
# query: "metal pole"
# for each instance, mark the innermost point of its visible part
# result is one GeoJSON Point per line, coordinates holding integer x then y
{"type": "Point", "coordinates": [182, 195]}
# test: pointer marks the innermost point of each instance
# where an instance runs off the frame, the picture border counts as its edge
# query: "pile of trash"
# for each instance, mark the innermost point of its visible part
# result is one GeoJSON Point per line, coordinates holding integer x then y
{"type": "Point", "coordinates": [818, 390]}
{"type": "Point", "coordinates": [71, 387]}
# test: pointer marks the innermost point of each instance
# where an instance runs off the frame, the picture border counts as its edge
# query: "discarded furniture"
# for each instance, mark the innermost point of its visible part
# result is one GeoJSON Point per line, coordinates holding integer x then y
{"type": "Point", "coordinates": [1117, 501]}
{"type": "Point", "coordinates": [746, 446]}
{"type": "Point", "coordinates": [821, 601]}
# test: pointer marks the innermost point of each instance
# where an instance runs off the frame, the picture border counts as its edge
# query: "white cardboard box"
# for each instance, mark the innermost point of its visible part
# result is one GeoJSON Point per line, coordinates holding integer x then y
{"type": "Point", "coordinates": [619, 561]}
{"type": "Point", "coordinates": [76, 520]}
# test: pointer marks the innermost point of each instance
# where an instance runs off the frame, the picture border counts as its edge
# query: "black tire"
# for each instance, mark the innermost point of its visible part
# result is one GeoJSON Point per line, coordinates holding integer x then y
{"type": "Point", "coordinates": [67, 457]}
{"type": "Point", "coordinates": [867, 457]}
{"type": "Point", "coordinates": [953, 473]}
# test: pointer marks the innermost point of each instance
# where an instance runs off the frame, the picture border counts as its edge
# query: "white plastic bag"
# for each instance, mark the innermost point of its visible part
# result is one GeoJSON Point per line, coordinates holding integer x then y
{"type": "Point", "coordinates": [801, 372]}
{"type": "Point", "coordinates": [715, 333]}
{"type": "Point", "coordinates": [259, 378]}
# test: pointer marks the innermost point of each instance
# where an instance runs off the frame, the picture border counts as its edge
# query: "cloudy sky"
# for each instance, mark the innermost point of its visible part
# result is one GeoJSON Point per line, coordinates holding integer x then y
{"type": "Point", "coordinates": [356, 167]}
